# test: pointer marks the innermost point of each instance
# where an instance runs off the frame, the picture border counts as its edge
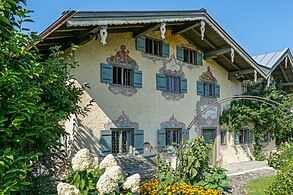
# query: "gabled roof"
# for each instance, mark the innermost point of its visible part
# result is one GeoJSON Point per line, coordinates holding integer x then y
{"type": "Point", "coordinates": [79, 27]}
{"type": "Point", "coordinates": [279, 65]}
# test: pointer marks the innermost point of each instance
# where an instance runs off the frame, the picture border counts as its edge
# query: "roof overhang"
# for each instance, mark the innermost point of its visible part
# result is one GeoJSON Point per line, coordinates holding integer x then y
{"type": "Point", "coordinates": [79, 27]}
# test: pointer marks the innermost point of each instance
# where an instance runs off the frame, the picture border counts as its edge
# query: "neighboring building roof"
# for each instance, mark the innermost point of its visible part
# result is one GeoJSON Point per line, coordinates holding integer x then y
{"type": "Point", "coordinates": [279, 65]}
{"type": "Point", "coordinates": [78, 27]}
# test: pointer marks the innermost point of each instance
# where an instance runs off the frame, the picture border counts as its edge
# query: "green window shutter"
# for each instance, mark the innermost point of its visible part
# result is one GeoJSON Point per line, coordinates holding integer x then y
{"type": "Point", "coordinates": [140, 43]}
{"type": "Point", "coordinates": [217, 91]}
{"type": "Point", "coordinates": [236, 137]}
{"type": "Point", "coordinates": [166, 50]}
{"type": "Point", "coordinates": [200, 87]}
{"type": "Point", "coordinates": [106, 73]}
{"type": "Point", "coordinates": [185, 134]}
{"type": "Point", "coordinates": [199, 58]}
{"type": "Point", "coordinates": [161, 82]}
{"type": "Point", "coordinates": [161, 138]}
{"type": "Point", "coordinates": [138, 141]}
{"type": "Point", "coordinates": [180, 53]}
{"type": "Point", "coordinates": [250, 135]}
{"type": "Point", "coordinates": [137, 78]}
{"type": "Point", "coordinates": [106, 141]}
{"type": "Point", "coordinates": [183, 85]}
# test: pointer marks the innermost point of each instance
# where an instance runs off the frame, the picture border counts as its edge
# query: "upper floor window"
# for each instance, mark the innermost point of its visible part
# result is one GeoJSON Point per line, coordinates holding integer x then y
{"type": "Point", "coordinates": [171, 83]}
{"type": "Point", "coordinates": [121, 75]}
{"type": "Point", "coordinates": [152, 46]}
{"type": "Point", "coordinates": [189, 56]}
{"type": "Point", "coordinates": [208, 89]}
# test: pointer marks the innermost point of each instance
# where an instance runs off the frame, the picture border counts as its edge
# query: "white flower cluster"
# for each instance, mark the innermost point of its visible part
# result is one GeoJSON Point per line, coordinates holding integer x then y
{"type": "Point", "coordinates": [132, 183]}
{"type": "Point", "coordinates": [67, 189]}
{"type": "Point", "coordinates": [115, 173]}
{"type": "Point", "coordinates": [108, 161]}
{"type": "Point", "coordinates": [82, 160]}
{"type": "Point", "coordinates": [106, 185]}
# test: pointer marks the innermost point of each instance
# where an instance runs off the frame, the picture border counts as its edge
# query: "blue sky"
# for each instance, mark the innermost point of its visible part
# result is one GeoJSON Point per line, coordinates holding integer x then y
{"type": "Point", "coordinates": [259, 26]}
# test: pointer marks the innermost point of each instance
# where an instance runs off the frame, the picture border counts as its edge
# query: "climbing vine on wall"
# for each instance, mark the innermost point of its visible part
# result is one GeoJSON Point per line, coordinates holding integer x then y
{"type": "Point", "coordinates": [266, 118]}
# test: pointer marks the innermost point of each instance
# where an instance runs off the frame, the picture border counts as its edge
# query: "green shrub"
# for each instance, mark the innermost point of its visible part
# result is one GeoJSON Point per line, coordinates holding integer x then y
{"type": "Point", "coordinates": [283, 182]}
{"type": "Point", "coordinates": [192, 167]}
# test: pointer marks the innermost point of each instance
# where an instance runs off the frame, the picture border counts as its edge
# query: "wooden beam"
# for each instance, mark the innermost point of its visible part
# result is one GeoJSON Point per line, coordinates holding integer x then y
{"type": "Point", "coordinates": [192, 42]}
{"type": "Point", "coordinates": [145, 30]}
{"type": "Point", "coordinates": [216, 53]}
{"type": "Point", "coordinates": [234, 74]}
{"type": "Point", "coordinates": [205, 39]}
{"type": "Point", "coordinates": [285, 75]}
{"type": "Point", "coordinates": [185, 27]}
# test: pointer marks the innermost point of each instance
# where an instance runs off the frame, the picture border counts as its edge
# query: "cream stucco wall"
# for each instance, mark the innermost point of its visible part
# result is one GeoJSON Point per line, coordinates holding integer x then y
{"type": "Point", "coordinates": [147, 107]}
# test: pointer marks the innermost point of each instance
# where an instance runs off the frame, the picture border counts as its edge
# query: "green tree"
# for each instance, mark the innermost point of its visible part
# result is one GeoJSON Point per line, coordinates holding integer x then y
{"type": "Point", "coordinates": [266, 118]}
{"type": "Point", "coordinates": [35, 95]}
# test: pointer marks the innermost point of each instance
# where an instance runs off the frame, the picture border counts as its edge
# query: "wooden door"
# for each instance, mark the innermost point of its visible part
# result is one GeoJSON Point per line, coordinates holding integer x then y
{"type": "Point", "coordinates": [209, 136]}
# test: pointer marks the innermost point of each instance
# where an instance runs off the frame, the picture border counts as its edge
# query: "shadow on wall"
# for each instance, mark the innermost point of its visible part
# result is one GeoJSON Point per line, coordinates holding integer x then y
{"type": "Point", "coordinates": [242, 150]}
{"type": "Point", "coordinates": [85, 139]}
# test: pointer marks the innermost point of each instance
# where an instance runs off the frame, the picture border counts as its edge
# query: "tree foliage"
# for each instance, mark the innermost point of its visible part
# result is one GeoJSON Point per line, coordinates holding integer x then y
{"type": "Point", "coordinates": [35, 95]}
{"type": "Point", "coordinates": [267, 118]}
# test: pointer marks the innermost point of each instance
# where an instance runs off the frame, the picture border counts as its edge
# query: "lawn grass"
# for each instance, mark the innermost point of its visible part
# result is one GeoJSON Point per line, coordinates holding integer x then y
{"type": "Point", "coordinates": [257, 186]}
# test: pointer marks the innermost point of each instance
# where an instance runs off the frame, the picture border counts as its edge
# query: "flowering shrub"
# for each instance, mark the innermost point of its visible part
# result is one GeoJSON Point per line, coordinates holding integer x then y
{"type": "Point", "coordinates": [151, 188]}
{"type": "Point", "coordinates": [280, 156]}
{"type": "Point", "coordinates": [86, 177]}
{"type": "Point", "coordinates": [65, 188]}
{"type": "Point", "coordinates": [132, 183]}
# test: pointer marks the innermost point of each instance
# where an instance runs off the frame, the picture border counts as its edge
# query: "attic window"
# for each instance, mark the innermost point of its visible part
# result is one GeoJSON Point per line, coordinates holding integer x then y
{"type": "Point", "coordinates": [153, 47]}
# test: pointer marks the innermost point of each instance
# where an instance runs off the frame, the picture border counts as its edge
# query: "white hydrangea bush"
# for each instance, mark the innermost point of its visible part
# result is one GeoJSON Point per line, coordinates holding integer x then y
{"type": "Point", "coordinates": [132, 183]}
{"type": "Point", "coordinates": [82, 160]}
{"type": "Point", "coordinates": [67, 189]}
{"type": "Point", "coordinates": [106, 185]}
{"type": "Point", "coordinates": [108, 161]}
{"type": "Point", "coordinates": [108, 182]}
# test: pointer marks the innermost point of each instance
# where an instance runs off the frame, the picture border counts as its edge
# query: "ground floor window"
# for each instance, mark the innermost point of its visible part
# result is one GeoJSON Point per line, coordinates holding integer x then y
{"type": "Point", "coordinates": [173, 136]}
{"type": "Point", "coordinates": [122, 141]}
{"type": "Point", "coordinates": [243, 136]}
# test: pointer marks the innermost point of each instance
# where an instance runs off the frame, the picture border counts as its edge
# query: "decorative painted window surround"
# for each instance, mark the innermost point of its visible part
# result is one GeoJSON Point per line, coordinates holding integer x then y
{"type": "Point", "coordinates": [172, 123]}
{"type": "Point", "coordinates": [207, 85]}
{"type": "Point", "coordinates": [121, 73]}
{"type": "Point", "coordinates": [122, 123]}
{"type": "Point", "coordinates": [171, 69]}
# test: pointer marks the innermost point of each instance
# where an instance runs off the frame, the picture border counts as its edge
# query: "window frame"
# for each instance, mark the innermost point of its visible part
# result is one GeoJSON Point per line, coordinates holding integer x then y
{"type": "Point", "coordinates": [121, 150]}
{"type": "Point", "coordinates": [244, 136]}
{"type": "Point", "coordinates": [206, 86]}
{"type": "Point", "coordinates": [153, 41]}
{"type": "Point", "coordinates": [188, 56]}
{"type": "Point", "coordinates": [122, 75]}
{"type": "Point", "coordinates": [172, 86]}
{"type": "Point", "coordinates": [171, 131]}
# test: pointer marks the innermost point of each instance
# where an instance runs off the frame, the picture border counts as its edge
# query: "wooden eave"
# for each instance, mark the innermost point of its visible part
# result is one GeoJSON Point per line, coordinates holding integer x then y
{"type": "Point", "coordinates": [79, 27]}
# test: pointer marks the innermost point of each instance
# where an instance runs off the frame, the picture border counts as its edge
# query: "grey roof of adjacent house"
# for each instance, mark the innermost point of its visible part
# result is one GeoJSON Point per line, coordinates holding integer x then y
{"type": "Point", "coordinates": [278, 64]}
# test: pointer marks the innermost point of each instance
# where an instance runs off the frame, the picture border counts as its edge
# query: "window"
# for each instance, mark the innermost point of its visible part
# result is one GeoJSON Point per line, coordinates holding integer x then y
{"type": "Point", "coordinates": [223, 137]}
{"type": "Point", "coordinates": [208, 89]}
{"type": "Point", "coordinates": [153, 47]}
{"type": "Point", "coordinates": [173, 136]}
{"type": "Point", "coordinates": [172, 83]}
{"type": "Point", "coordinates": [244, 136]}
{"type": "Point", "coordinates": [122, 141]}
{"type": "Point", "coordinates": [266, 137]}
{"type": "Point", "coordinates": [190, 56]}
{"type": "Point", "coordinates": [122, 76]}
